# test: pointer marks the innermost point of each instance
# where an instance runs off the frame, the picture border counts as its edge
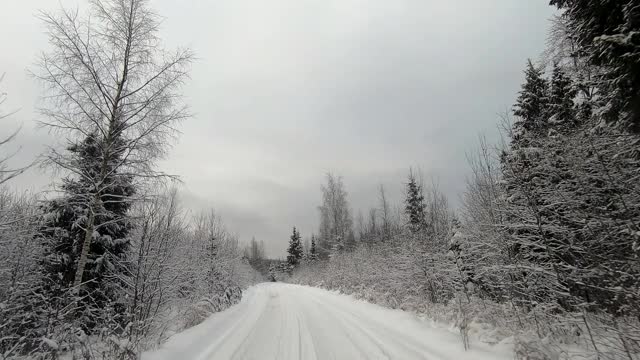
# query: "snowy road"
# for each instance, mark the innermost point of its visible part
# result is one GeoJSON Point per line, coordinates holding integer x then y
{"type": "Point", "coordinates": [283, 321]}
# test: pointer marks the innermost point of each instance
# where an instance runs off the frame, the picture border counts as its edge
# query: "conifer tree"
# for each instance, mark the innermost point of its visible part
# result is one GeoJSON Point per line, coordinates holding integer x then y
{"type": "Point", "coordinates": [295, 249]}
{"type": "Point", "coordinates": [64, 228]}
{"type": "Point", "coordinates": [561, 94]}
{"type": "Point", "coordinates": [532, 100]}
{"type": "Point", "coordinates": [414, 204]}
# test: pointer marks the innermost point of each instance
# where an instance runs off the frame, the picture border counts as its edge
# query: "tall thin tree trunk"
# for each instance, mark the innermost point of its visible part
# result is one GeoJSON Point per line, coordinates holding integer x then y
{"type": "Point", "coordinates": [84, 253]}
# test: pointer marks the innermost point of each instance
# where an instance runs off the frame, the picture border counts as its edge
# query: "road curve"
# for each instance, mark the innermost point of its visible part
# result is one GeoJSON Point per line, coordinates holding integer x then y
{"type": "Point", "coordinates": [284, 321]}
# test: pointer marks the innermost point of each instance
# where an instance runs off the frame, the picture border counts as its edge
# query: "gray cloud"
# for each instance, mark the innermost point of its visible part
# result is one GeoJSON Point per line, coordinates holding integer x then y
{"type": "Point", "coordinates": [286, 90]}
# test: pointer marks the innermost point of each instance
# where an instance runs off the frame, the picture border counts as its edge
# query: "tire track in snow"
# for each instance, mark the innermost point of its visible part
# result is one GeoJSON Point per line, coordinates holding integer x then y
{"type": "Point", "coordinates": [417, 350]}
{"type": "Point", "coordinates": [286, 322]}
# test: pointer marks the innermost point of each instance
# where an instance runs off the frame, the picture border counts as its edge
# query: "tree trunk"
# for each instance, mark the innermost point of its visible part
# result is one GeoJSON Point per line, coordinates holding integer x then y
{"type": "Point", "coordinates": [84, 253]}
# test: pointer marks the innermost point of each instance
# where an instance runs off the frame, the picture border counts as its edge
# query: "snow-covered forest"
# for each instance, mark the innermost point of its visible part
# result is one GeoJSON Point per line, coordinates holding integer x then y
{"type": "Point", "coordinates": [543, 251]}
{"type": "Point", "coordinates": [109, 262]}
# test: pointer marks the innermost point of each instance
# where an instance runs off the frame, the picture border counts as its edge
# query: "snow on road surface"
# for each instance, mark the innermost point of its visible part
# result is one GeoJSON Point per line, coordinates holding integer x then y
{"type": "Point", "coordinates": [284, 321]}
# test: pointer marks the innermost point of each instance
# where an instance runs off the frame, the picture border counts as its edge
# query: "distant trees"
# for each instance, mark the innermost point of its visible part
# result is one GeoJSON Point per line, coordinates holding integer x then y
{"type": "Point", "coordinates": [255, 250]}
{"type": "Point", "coordinates": [384, 214]}
{"type": "Point", "coordinates": [336, 223]}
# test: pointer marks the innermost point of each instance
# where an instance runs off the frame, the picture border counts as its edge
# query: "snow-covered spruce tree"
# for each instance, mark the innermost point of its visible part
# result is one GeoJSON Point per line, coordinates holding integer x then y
{"type": "Point", "coordinates": [109, 80]}
{"type": "Point", "coordinates": [294, 251]}
{"type": "Point", "coordinates": [414, 204]}
{"type": "Point", "coordinates": [532, 100]}
{"type": "Point", "coordinates": [608, 32]}
{"type": "Point", "coordinates": [561, 96]}
{"type": "Point", "coordinates": [64, 227]}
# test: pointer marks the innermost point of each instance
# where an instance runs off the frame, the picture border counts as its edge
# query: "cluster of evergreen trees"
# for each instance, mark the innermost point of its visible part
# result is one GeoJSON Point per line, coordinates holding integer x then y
{"type": "Point", "coordinates": [296, 253]}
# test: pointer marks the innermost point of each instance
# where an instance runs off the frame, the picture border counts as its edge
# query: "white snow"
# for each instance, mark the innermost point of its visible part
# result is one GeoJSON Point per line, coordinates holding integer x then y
{"type": "Point", "coordinates": [285, 321]}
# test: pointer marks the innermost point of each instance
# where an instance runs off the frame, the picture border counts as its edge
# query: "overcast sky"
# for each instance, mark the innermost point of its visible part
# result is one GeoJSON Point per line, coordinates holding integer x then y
{"type": "Point", "coordinates": [286, 90]}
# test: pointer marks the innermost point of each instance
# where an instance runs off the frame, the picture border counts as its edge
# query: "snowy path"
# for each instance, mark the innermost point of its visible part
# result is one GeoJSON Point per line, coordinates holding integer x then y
{"type": "Point", "coordinates": [283, 321]}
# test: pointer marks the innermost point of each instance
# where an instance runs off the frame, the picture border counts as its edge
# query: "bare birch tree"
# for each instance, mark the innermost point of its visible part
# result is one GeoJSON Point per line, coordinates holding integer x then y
{"type": "Point", "coordinates": [7, 173]}
{"type": "Point", "coordinates": [108, 78]}
{"type": "Point", "coordinates": [385, 214]}
{"type": "Point", "coordinates": [336, 223]}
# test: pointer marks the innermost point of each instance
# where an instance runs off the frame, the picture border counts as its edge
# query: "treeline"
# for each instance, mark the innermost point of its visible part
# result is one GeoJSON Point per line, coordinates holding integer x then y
{"type": "Point", "coordinates": [109, 263]}
{"type": "Point", "coordinates": [167, 271]}
{"type": "Point", "coordinates": [544, 246]}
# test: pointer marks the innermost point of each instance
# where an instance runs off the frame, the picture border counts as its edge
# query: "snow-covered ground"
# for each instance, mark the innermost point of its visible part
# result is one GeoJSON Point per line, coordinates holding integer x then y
{"type": "Point", "coordinates": [284, 321]}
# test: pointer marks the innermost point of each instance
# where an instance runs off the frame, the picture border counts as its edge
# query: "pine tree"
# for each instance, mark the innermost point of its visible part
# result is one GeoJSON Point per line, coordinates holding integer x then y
{"type": "Point", "coordinates": [561, 95]}
{"type": "Point", "coordinates": [295, 249]}
{"type": "Point", "coordinates": [532, 100]}
{"type": "Point", "coordinates": [414, 204]}
{"type": "Point", "coordinates": [63, 230]}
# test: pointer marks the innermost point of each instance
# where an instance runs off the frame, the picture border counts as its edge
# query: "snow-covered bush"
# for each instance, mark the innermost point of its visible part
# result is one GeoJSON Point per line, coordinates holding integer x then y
{"type": "Point", "coordinates": [19, 272]}
{"type": "Point", "coordinates": [184, 269]}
